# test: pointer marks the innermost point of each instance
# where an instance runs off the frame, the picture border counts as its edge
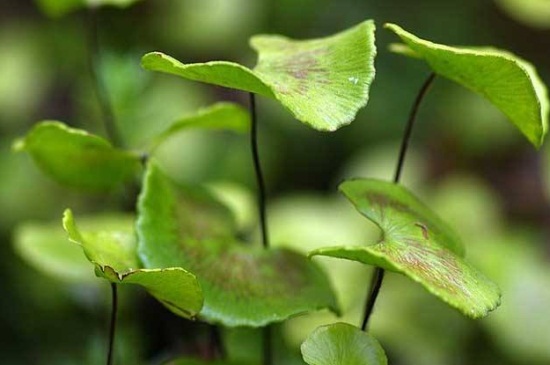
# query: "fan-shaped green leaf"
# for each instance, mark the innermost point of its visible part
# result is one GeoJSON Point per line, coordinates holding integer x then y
{"type": "Point", "coordinates": [56, 8]}
{"type": "Point", "coordinates": [507, 81]}
{"type": "Point", "coordinates": [416, 243]}
{"type": "Point", "coordinates": [112, 249]}
{"type": "Point", "coordinates": [342, 344]}
{"type": "Point", "coordinates": [222, 115]}
{"type": "Point", "coordinates": [45, 247]}
{"type": "Point", "coordinates": [76, 158]}
{"type": "Point", "coordinates": [323, 82]}
{"type": "Point", "coordinates": [243, 285]}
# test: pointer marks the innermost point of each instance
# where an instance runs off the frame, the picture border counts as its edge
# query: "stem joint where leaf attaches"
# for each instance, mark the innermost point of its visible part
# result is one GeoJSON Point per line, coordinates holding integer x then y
{"type": "Point", "coordinates": [378, 275]}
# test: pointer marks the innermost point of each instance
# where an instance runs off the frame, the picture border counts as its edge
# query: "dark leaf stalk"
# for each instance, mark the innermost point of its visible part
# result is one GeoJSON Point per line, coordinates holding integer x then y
{"type": "Point", "coordinates": [378, 274]}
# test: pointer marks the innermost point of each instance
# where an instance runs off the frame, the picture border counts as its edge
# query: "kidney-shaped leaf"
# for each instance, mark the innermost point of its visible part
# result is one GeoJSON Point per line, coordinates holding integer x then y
{"type": "Point", "coordinates": [416, 243]}
{"type": "Point", "coordinates": [323, 82]}
{"type": "Point", "coordinates": [220, 116]}
{"type": "Point", "coordinates": [56, 8]}
{"type": "Point", "coordinates": [342, 344]}
{"type": "Point", "coordinates": [76, 158]}
{"type": "Point", "coordinates": [243, 285]}
{"type": "Point", "coordinates": [507, 81]}
{"type": "Point", "coordinates": [112, 249]}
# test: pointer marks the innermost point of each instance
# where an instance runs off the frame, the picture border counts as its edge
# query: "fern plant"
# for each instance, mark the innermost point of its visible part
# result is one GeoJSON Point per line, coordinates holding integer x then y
{"type": "Point", "coordinates": [182, 244]}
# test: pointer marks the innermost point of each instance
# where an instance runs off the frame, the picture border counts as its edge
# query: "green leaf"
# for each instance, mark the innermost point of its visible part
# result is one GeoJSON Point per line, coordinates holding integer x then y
{"type": "Point", "coordinates": [342, 344]}
{"type": "Point", "coordinates": [416, 243]}
{"type": "Point", "coordinates": [112, 249]}
{"type": "Point", "coordinates": [535, 13]}
{"type": "Point", "coordinates": [57, 8]}
{"type": "Point", "coordinates": [507, 81]}
{"type": "Point", "coordinates": [323, 82]}
{"type": "Point", "coordinates": [44, 246]}
{"type": "Point", "coordinates": [222, 115]}
{"type": "Point", "coordinates": [76, 158]}
{"type": "Point", "coordinates": [243, 285]}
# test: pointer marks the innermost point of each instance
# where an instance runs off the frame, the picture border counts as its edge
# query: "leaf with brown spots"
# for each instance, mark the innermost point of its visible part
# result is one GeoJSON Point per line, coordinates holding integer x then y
{"type": "Point", "coordinates": [418, 244]}
{"type": "Point", "coordinates": [323, 82]}
{"type": "Point", "coordinates": [111, 247]}
{"type": "Point", "coordinates": [243, 285]}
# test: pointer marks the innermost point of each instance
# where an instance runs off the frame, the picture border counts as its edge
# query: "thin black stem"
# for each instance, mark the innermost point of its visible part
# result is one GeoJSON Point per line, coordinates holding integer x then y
{"type": "Point", "coordinates": [112, 326]}
{"type": "Point", "coordinates": [267, 334]}
{"type": "Point", "coordinates": [268, 345]}
{"type": "Point", "coordinates": [376, 284]}
{"type": "Point", "coordinates": [98, 84]}
{"type": "Point", "coordinates": [217, 342]}
{"type": "Point", "coordinates": [378, 275]}
{"type": "Point", "coordinates": [258, 171]}
{"type": "Point", "coordinates": [410, 124]}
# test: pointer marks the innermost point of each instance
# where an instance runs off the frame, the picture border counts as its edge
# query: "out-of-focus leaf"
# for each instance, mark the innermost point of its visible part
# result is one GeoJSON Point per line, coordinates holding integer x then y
{"type": "Point", "coordinates": [522, 270]}
{"type": "Point", "coordinates": [57, 8]}
{"type": "Point", "coordinates": [224, 116]}
{"type": "Point", "coordinates": [323, 82]}
{"type": "Point", "coordinates": [342, 344]}
{"type": "Point", "coordinates": [416, 243]}
{"type": "Point", "coordinates": [535, 13]}
{"type": "Point", "coordinates": [240, 200]}
{"type": "Point", "coordinates": [45, 247]}
{"type": "Point", "coordinates": [76, 158]}
{"type": "Point", "coordinates": [509, 82]}
{"type": "Point", "coordinates": [243, 285]}
{"type": "Point", "coordinates": [112, 249]}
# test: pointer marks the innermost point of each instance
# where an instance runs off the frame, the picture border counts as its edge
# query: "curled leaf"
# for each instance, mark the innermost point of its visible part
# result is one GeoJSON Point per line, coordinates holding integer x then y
{"type": "Point", "coordinates": [112, 249]}
{"type": "Point", "coordinates": [323, 82]}
{"type": "Point", "coordinates": [507, 81]}
{"type": "Point", "coordinates": [416, 243]}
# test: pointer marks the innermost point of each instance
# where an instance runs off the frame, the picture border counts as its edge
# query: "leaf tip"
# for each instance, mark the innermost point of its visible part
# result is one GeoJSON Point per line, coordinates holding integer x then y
{"type": "Point", "coordinates": [393, 27]}
{"type": "Point", "coordinates": [150, 57]}
{"type": "Point", "coordinates": [69, 226]}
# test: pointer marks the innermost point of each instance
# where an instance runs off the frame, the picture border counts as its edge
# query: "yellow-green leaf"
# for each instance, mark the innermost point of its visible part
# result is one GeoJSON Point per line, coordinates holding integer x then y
{"type": "Point", "coordinates": [220, 116]}
{"type": "Point", "coordinates": [323, 82]}
{"type": "Point", "coordinates": [44, 246]}
{"type": "Point", "coordinates": [76, 158]}
{"type": "Point", "coordinates": [507, 81]}
{"type": "Point", "coordinates": [111, 247]}
{"type": "Point", "coordinates": [416, 243]}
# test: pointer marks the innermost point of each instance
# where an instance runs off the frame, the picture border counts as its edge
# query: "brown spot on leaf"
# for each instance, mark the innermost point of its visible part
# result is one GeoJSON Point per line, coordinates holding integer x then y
{"type": "Point", "coordinates": [424, 229]}
{"type": "Point", "coordinates": [385, 201]}
{"type": "Point", "coordinates": [436, 266]}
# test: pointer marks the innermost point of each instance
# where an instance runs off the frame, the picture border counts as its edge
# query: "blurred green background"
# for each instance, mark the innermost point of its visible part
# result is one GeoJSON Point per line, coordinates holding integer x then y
{"type": "Point", "coordinates": [466, 160]}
